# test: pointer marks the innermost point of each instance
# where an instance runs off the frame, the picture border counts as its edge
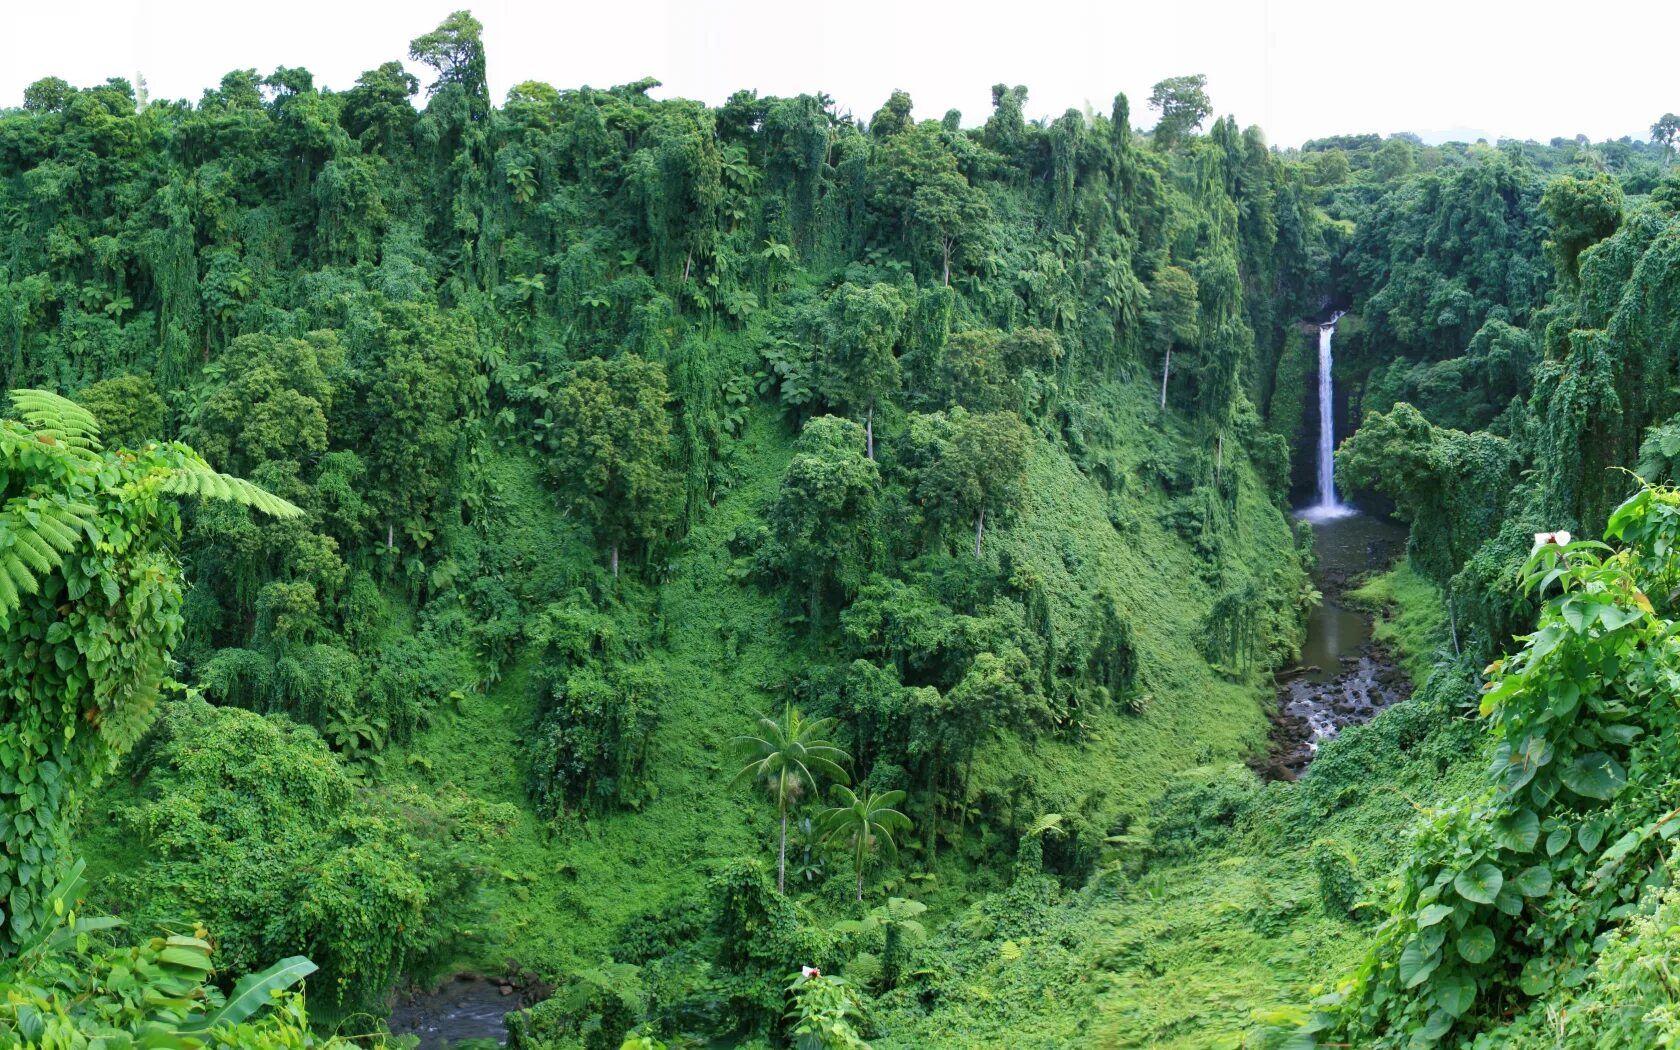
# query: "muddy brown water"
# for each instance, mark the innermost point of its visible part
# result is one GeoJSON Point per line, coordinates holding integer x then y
{"type": "Point", "coordinates": [1344, 676]}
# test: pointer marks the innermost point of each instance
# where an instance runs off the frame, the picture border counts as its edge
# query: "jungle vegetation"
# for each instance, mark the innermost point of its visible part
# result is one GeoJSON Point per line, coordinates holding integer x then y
{"type": "Point", "coordinates": [773, 576]}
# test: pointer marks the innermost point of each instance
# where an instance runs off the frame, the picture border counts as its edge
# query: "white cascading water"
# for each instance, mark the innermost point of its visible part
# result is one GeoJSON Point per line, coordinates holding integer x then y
{"type": "Point", "coordinates": [1329, 505]}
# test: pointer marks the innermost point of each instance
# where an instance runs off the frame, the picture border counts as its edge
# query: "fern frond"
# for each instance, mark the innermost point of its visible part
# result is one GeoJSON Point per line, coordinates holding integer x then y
{"type": "Point", "coordinates": [13, 569]}
{"type": "Point", "coordinates": [1049, 825]}
{"type": "Point", "coordinates": [58, 417]}
{"type": "Point", "coordinates": [197, 479]}
{"type": "Point", "coordinates": [36, 552]}
{"type": "Point", "coordinates": [57, 524]}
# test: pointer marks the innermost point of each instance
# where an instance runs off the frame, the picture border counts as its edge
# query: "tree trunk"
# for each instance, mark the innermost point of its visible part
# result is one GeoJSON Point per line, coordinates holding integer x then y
{"type": "Point", "coordinates": [615, 561]}
{"type": "Point", "coordinates": [869, 433]}
{"type": "Point", "coordinates": [860, 879]}
{"type": "Point", "coordinates": [945, 244]}
{"type": "Point", "coordinates": [1166, 370]}
{"type": "Point", "coordinates": [781, 857]}
{"type": "Point", "coordinates": [933, 812]}
{"type": "Point", "coordinates": [390, 537]}
{"type": "Point", "coordinates": [1219, 459]}
{"type": "Point", "coordinates": [979, 532]}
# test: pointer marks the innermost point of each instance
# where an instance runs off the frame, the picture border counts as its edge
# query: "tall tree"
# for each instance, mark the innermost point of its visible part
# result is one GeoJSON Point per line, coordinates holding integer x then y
{"type": "Point", "coordinates": [1173, 309]}
{"type": "Point", "coordinates": [455, 50]}
{"type": "Point", "coordinates": [823, 516]}
{"type": "Point", "coordinates": [925, 200]}
{"type": "Point", "coordinates": [788, 757]}
{"type": "Point", "coordinates": [1183, 105]}
{"type": "Point", "coordinates": [969, 466]}
{"type": "Point", "coordinates": [609, 440]}
{"type": "Point", "coordinates": [863, 328]}
{"type": "Point", "coordinates": [1665, 133]}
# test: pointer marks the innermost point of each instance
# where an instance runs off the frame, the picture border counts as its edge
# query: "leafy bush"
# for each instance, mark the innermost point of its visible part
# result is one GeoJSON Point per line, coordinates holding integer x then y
{"type": "Point", "coordinates": [252, 826]}
{"type": "Point", "coordinates": [1199, 808]}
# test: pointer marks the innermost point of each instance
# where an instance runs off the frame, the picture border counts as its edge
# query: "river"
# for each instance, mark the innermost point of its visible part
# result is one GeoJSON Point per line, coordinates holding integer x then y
{"type": "Point", "coordinates": [1344, 675]}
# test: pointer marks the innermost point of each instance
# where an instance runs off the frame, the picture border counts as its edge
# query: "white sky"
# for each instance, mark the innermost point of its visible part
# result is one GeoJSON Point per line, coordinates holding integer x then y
{"type": "Point", "coordinates": [1298, 68]}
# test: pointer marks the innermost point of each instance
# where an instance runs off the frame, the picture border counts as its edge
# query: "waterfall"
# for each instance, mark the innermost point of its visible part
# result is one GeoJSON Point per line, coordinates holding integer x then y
{"type": "Point", "coordinates": [1328, 506]}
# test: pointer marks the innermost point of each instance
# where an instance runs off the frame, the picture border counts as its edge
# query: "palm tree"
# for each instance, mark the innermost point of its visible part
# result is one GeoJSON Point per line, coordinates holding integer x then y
{"type": "Point", "coordinates": [788, 756]}
{"type": "Point", "coordinates": [865, 822]}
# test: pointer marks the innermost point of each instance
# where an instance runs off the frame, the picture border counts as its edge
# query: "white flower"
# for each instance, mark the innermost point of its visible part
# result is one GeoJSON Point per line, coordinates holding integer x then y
{"type": "Point", "coordinates": [810, 971]}
{"type": "Point", "coordinates": [1542, 539]}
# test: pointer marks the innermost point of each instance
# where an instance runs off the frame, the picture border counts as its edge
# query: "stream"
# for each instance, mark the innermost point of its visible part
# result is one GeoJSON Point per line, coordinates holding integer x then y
{"type": "Point", "coordinates": [1345, 676]}
{"type": "Point", "coordinates": [464, 1007]}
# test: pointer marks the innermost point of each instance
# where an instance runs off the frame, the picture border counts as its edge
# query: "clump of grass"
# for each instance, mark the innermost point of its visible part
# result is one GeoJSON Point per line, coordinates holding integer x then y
{"type": "Point", "coordinates": [1411, 618]}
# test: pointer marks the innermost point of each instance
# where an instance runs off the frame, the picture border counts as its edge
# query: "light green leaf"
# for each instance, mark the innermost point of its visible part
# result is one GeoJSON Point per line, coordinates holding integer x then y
{"type": "Point", "coordinates": [252, 993]}
{"type": "Point", "coordinates": [1433, 914]}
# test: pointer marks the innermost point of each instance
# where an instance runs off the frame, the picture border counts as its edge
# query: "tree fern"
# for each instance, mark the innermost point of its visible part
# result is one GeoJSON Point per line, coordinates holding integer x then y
{"type": "Point", "coordinates": [51, 464]}
{"type": "Point", "coordinates": [57, 418]}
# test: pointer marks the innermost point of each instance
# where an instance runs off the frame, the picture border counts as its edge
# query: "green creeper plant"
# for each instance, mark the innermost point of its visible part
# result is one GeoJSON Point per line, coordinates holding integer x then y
{"type": "Point", "coordinates": [788, 756]}
{"type": "Point", "coordinates": [90, 607]}
{"type": "Point", "coordinates": [862, 823]}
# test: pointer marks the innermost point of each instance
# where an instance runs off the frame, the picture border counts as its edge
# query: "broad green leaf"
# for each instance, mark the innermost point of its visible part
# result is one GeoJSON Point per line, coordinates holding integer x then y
{"type": "Point", "coordinates": [1454, 992]}
{"type": "Point", "coordinates": [1615, 617]}
{"type": "Point", "coordinates": [1623, 846]}
{"type": "Point", "coordinates": [1519, 764]}
{"type": "Point", "coordinates": [1480, 883]}
{"type": "Point", "coordinates": [1518, 831]}
{"type": "Point", "coordinates": [1590, 834]}
{"type": "Point", "coordinates": [252, 993]}
{"type": "Point", "coordinates": [1595, 775]}
{"type": "Point", "coordinates": [1555, 842]}
{"type": "Point", "coordinates": [1534, 882]}
{"type": "Point", "coordinates": [1475, 944]}
{"type": "Point", "coordinates": [1416, 965]}
{"type": "Point", "coordinates": [1439, 1024]}
{"type": "Point", "coordinates": [1433, 914]}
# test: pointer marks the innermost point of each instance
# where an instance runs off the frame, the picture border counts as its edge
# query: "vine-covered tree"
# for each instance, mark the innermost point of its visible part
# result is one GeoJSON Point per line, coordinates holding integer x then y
{"type": "Point", "coordinates": [90, 607]}
{"type": "Point", "coordinates": [969, 466]}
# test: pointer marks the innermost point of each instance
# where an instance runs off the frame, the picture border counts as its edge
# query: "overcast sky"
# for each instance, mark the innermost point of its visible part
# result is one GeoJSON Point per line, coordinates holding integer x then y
{"type": "Point", "coordinates": [1298, 68]}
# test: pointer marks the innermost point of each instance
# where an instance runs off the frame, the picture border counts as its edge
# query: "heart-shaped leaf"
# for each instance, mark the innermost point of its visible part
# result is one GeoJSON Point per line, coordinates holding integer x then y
{"type": "Point", "coordinates": [1454, 992]}
{"type": "Point", "coordinates": [1416, 965]}
{"type": "Point", "coordinates": [1475, 944]}
{"type": "Point", "coordinates": [1517, 831]}
{"type": "Point", "coordinates": [1555, 842]}
{"type": "Point", "coordinates": [1433, 914]}
{"type": "Point", "coordinates": [1595, 775]}
{"type": "Point", "coordinates": [1480, 883]}
{"type": "Point", "coordinates": [1534, 882]}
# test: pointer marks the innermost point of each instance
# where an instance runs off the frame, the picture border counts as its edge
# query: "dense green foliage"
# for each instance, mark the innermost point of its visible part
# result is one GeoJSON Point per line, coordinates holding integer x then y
{"type": "Point", "coordinates": [599, 425]}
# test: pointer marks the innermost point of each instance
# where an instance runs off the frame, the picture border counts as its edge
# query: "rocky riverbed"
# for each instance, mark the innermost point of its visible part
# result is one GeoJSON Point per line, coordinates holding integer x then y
{"type": "Point", "coordinates": [1345, 676]}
